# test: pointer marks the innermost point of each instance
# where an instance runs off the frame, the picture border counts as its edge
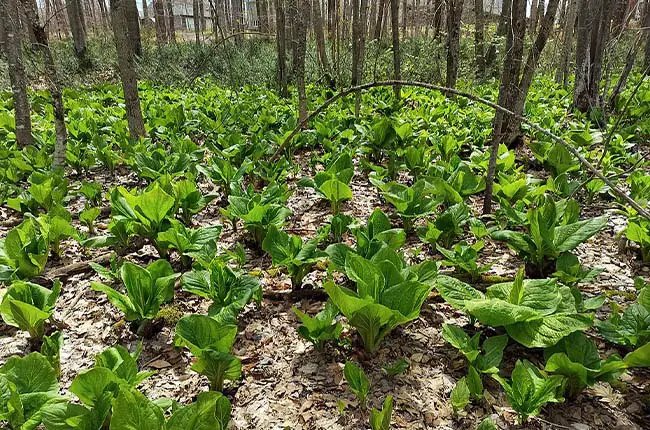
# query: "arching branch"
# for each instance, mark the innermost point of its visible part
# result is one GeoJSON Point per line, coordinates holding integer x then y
{"type": "Point", "coordinates": [393, 83]}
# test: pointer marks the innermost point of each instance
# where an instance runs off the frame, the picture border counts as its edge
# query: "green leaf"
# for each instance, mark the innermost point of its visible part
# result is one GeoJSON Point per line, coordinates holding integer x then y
{"type": "Point", "coordinates": [398, 367]}
{"type": "Point", "coordinates": [549, 330]}
{"type": "Point", "coordinates": [639, 357]}
{"type": "Point", "coordinates": [133, 411]}
{"type": "Point", "coordinates": [460, 395]}
{"type": "Point", "coordinates": [200, 332]}
{"type": "Point", "coordinates": [380, 420]}
{"type": "Point", "coordinates": [456, 292]}
{"type": "Point", "coordinates": [357, 381]}
{"type": "Point", "coordinates": [201, 415]}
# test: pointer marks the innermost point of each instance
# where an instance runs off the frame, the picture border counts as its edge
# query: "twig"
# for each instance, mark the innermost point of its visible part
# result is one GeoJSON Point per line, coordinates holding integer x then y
{"type": "Point", "coordinates": [391, 83]}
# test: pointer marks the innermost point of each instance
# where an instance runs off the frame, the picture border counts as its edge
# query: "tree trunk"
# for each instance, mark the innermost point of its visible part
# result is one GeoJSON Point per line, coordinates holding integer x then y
{"type": "Point", "coordinates": [562, 75]}
{"type": "Point", "coordinates": [197, 22]}
{"type": "Point", "coordinates": [438, 9]}
{"type": "Point", "coordinates": [479, 39]}
{"type": "Point", "coordinates": [508, 88]}
{"type": "Point", "coordinates": [532, 27]}
{"type": "Point", "coordinates": [404, 9]}
{"type": "Point", "coordinates": [52, 78]}
{"type": "Point", "coordinates": [126, 63]}
{"type": "Point", "coordinates": [319, 33]}
{"type": "Point", "coordinates": [202, 18]}
{"type": "Point", "coordinates": [397, 63]}
{"type": "Point", "coordinates": [646, 25]}
{"type": "Point", "coordinates": [75, 14]}
{"type": "Point", "coordinates": [159, 18]}
{"type": "Point", "coordinates": [299, 12]}
{"type": "Point", "coordinates": [592, 34]}
{"type": "Point", "coordinates": [171, 25]}
{"type": "Point", "coordinates": [13, 49]}
{"type": "Point", "coordinates": [502, 27]}
{"type": "Point", "coordinates": [454, 14]}
{"type": "Point", "coordinates": [133, 25]}
{"type": "Point", "coordinates": [381, 10]}
{"type": "Point", "coordinates": [145, 13]}
{"type": "Point", "coordinates": [281, 44]}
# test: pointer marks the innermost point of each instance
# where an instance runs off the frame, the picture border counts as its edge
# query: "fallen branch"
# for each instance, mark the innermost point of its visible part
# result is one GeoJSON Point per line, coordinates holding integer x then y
{"type": "Point", "coordinates": [72, 269]}
{"type": "Point", "coordinates": [392, 83]}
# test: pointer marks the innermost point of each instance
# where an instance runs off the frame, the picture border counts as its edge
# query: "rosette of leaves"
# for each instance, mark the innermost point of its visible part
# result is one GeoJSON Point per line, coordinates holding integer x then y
{"type": "Point", "coordinates": [210, 342]}
{"type": "Point", "coordinates": [576, 357]}
{"type": "Point", "coordinates": [447, 226]}
{"type": "Point", "coordinates": [146, 290]}
{"type": "Point", "coordinates": [536, 313]}
{"type": "Point", "coordinates": [530, 389]}
{"type": "Point", "coordinates": [388, 294]}
{"type": "Point", "coordinates": [547, 237]}
{"type": "Point", "coordinates": [632, 327]}
{"type": "Point", "coordinates": [222, 172]}
{"type": "Point", "coordinates": [28, 385]}
{"type": "Point", "coordinates": [375, 235]}
{"type": "Point", "coordinates": [463, 258]}
{"type": "Point", "coordinates": [188, 199]}
{"type": "Point", "coordinates": [229, 290]}
{"type": "Point", "coordinates": [320, 328]}
{"type": "Point", "coordinates": [23, 251]}
{"type": "Point", "coordinates": [46, 190]}
{"type": "Point", "coordinates": [187, 241]}
{"type": "Point", "coordinates": [291, 252]}
{"type": "Point", "coordinates": [333, 184]}
{"type": "Point", "coordinates": [412, 202]}
{"type": "Point", "coordinates": [483, 359]}
{"type": "Point", "coordinates": [29, 306]}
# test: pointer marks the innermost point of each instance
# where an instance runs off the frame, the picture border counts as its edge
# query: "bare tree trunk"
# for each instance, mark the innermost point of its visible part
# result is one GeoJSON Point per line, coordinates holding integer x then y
{"type": "Point", "coordinates": [299, 12]}
{"type": "Point", "coordinates": [145, 13]}
{"type": "Point", "coordinates": [532, 25]}
{"type": "Point", "coordinates": [282, 47]}
{"type": "Point", "coordinates": [202, 18]}
{"type": "Point", "coordinates": [592, 34]}
{"type": "Point", "coordinates": [126, 63]}
{"type": "Point", "coordinates": [438, 9]}
{"type": "Point", "coordinates": [133, 25]}
{"type": "Point", "coordinates": [197, 22]}
{"type": "Point", "coordinates": [13, 49]}
{"type": "Point", "coordinates": [508, 88]}
{"type": "Point", "coordinates": [75, 14]}
{"type": "Point", "coordinates": [159, 17]}
{"type": "Point", "coordinates": [397, 63]}
{"type": "Point", "coordinates": [52, 78]}
{"type": "Point", "coordinates": [171, 25]}
{"type": "Point", "coordinates": [319, 32]}
{"type": "Point", "coordinates": [646, 26]}
{"type": "Point", "coordinates": [404, 10]}
{"type": "Point", "coordinates": [502, 27]}
{"type": "Point", "coordinates": [381, 11]}
{"type": "Point", "coordinates": [562, 75]}
{"type": "Point", "coordinates": [479, 38]}
{"type": "Point", "coordinates": [454, 15]}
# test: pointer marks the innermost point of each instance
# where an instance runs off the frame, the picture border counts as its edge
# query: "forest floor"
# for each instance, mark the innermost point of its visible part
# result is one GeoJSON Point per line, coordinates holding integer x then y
{"type": "Point", "coordinates": [287, 384]}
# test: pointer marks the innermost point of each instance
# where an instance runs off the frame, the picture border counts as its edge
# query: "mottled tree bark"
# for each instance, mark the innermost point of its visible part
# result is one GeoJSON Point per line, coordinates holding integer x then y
{"type": "Point", "coordinates": [319, 33]}
{"type": "Point", "coordinates": [454, 14]}
{"type": "Point", "coordinates": [299, 11]}
{"type": "Point", "coordinates": [397, 63]}
{"type": "Point", "coordinates": [646, 25]}
{"type": "Point", "coordinates": [133, 25]}
{"type": "Point", "coordinates": [145, 13]}
{"type": "Point", "coordinates": [126, 63]}
{"type": "Point", "coordinates": [13, 50]}
{"type": "Point", "coordinates": [502, 27]}
{"type": "Point", "coordinates": [381, 11]}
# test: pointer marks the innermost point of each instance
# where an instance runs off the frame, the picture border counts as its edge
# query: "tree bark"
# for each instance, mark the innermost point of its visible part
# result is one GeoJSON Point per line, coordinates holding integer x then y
{"type": "Point", "coordinates": [381, 11]}
{"type": "Point", "coordinates": [13, 49]}
{"type": "Point", "coordinates": [508, 89]}
{"type": "Point", "coordinates": [159, 18]}
{"type": "Point", "coordinates": [281, 45]}
{"type": "Point", "coordinates": [438, 9]}
{"type": "Point", "coordinates": [479, 38]}
{"type": "Point", "coordinates": [592, 35]}
{"type": "Point", "coordinates": [646, 26]}
{"type": "Point", "coordinates": [562, 75]}
{"type": "Point", "coordinates": [299, 12]}
{"type": "Point", "coordinates": [145, 13]}
{"type": "Point", "coordinates": [75, 13]}
{"type": "Point", "coordinates": [133, 25]}
{"type": "Point", "coordinates": [52, 78]}
{"type": "Point", "coordinates": [171, 25]}
{"type": "Point", "coordinates": [197, 22]}
{"type": "Point", "coordinates": [319, 33]}
{"type": "Point", "coordinates": [532, 27]}
{"type": "Point", "coordinates": [502, 27]}
{"type": "Point", "coordinates": [397, 63]}
{"type": "Point", "coordinates": [126, 63]}
{"type": "Point", "coordinates": [454, 14]}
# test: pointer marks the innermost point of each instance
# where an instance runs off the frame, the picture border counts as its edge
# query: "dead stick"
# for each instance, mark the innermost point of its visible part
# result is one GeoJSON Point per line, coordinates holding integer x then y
{"type": "Point", "coordinates": [71, 269]}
